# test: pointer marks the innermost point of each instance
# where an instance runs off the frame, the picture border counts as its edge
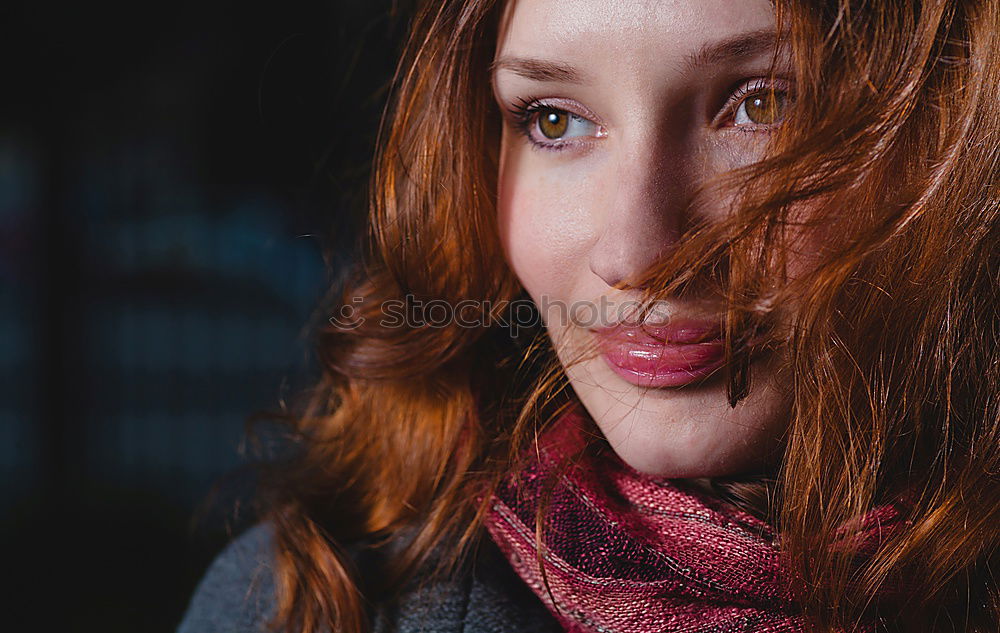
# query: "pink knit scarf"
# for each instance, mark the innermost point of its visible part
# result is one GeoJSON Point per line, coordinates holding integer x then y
{"type": "Point", "coordinates": [629, 553]}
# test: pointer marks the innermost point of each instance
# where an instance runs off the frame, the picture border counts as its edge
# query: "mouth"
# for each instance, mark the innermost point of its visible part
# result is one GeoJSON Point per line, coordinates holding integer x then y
{"type": "Point", "coordinates": [657, 356]}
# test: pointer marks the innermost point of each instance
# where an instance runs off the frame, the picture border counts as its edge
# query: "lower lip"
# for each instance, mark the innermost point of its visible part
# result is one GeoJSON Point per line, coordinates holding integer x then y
{"type": "Point", "coordinates": [663, 365]}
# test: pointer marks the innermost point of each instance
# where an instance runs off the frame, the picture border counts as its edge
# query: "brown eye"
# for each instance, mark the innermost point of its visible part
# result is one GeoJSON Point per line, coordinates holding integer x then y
{"type": "Point", "coordinates": [555, 128]}
{"type": "Point", "coordinates": [553, 123]}
{"type": "Point", "coordinates": [762, 108]}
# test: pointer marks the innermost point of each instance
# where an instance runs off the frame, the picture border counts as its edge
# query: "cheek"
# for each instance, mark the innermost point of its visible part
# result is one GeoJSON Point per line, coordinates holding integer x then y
{"type": "Point", "coordinates": [545, 226]}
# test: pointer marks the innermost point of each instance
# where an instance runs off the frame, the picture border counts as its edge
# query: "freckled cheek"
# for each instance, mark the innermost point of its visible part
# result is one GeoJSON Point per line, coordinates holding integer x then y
{"type": "Point", "coordinates": [547, 227]}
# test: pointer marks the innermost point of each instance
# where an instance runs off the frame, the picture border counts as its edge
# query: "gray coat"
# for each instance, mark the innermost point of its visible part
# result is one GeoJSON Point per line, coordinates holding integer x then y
{"type": "Point", "coordinates": [236, 595]}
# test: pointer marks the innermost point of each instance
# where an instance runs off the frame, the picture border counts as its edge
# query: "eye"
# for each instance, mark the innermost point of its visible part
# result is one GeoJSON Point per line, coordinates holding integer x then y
{"type": "Point", "coordinates": [759, 105]}
{"type": "Point", "coordinates": [558, 124]}
{"type": "Point", "coordinates": [550, 127]}
{"type": "Point", "coordinates": [763, 108]}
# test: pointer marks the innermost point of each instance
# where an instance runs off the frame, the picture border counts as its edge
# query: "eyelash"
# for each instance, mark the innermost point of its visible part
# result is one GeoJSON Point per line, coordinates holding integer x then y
{"type": "Point", "coordinates": [526, 109]}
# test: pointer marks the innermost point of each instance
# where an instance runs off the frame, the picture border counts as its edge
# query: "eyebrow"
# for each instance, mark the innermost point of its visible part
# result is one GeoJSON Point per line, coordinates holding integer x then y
{"type": "Point", "coordinates": [743, 45]}
{"type": "Point", "coordinates": [539, 69]}
{"type": "Point", "coordinates": [714, 53]}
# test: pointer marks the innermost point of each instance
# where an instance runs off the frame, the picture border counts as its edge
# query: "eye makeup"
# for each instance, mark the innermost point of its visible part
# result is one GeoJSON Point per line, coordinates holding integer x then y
{"type": "Point", "coordinates": [538, 120]}
{"type": "Point", "coordinates": [557, 124]}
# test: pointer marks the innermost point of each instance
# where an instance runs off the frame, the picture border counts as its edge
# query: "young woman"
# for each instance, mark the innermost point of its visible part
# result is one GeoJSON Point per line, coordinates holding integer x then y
{"type": "Point", "coordinates": [761, 239]}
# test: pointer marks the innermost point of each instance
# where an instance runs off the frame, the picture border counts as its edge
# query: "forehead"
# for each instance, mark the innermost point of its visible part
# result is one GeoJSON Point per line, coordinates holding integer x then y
{"type": "Point", "coordinates": [619, 33]}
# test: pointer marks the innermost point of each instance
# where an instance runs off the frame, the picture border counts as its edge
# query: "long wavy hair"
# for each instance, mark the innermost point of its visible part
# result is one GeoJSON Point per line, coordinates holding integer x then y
{"type": "Point", "coordinates": [891, 337]}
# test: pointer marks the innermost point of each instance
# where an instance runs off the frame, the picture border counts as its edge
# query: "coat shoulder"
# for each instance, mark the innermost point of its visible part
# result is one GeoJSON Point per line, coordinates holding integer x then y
{"type": "Point", "coordinates": [237, 592]}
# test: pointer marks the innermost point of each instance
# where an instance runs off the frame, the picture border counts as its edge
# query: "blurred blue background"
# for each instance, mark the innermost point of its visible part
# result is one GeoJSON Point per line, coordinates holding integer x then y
{"type": "Point", "coordinates": [180, 183]}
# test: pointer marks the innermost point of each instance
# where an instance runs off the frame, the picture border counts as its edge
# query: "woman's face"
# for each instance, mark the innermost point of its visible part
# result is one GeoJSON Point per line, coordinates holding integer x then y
{"type": "Point", "coordinates": [613, 111]}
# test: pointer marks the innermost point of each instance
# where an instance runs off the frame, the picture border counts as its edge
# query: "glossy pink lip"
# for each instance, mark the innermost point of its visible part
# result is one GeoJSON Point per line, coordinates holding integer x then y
{"type": "Point", "coordinates": [663, 355]}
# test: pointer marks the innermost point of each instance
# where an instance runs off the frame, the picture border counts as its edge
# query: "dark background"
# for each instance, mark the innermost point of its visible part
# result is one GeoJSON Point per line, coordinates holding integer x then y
{"type": "Point", "coordinates": [172, 177]}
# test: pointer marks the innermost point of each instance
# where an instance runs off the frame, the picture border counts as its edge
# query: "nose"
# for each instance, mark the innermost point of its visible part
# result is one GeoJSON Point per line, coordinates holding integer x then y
{"type": "Point", "coordinates": [642, 217]}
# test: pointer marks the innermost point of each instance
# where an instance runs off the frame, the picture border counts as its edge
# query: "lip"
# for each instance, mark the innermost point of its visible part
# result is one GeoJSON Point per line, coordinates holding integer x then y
{"type": "Point", "coordinates": [672, 355]}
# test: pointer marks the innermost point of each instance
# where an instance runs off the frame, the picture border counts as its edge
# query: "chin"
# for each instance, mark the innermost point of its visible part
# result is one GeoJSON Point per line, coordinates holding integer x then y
{"type": "Point", "coordinates": [676, 462]}
{"type": "Point", "coordinates": [682, 433]}
{"type": "Point", "coordinates": [652, 449]}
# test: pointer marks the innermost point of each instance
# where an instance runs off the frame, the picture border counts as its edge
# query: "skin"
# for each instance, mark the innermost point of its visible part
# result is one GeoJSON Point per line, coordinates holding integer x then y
{"type": "Point", "coordinates": [578, 220]}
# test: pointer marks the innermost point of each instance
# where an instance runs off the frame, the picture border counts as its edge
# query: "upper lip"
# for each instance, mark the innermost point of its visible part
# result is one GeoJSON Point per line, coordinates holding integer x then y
{"type": "Point", "coordinates": [678, 331]}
